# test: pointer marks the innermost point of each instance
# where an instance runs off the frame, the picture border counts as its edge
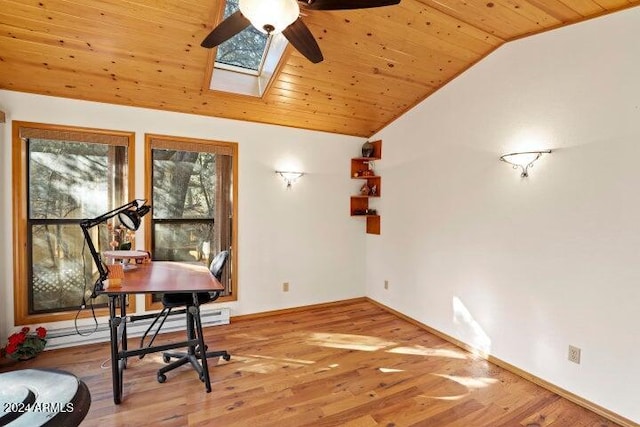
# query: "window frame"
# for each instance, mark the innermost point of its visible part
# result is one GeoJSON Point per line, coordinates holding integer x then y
{"type": "Point", "coordinates": [148, 185]}
{"type": "Point", "coordinates": [20, 168]}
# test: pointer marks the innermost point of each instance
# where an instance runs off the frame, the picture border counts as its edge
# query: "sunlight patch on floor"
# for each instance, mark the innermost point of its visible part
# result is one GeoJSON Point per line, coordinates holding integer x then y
{"type": "Point", "coordinates": [327, 368]}
{"type": "Point", "coordinates": [457, 387]}
{"type": "Point", "coordinates": [442, 387]}
{"type": "Point", "coordinates": [470, 382]}
{"type": "Point", "coordinates": [419, 350]}
{"type": "Point", "coordinates": [266, 365]}
{"type": "Point", "coordinates": [135, 360]}
{"type": "Point", "coordinates": [390, 370]}
{"type": "Point", "coordinates": [282, 359]}
{"type": "Point", "coordinates": [449, 398]}
{"type": "Point", "coordinates": [348, 341]}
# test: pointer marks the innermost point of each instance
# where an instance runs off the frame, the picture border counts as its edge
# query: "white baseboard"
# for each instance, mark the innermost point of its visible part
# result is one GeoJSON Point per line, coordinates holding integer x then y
{"type": "Point", "coordinates": [69, 337]}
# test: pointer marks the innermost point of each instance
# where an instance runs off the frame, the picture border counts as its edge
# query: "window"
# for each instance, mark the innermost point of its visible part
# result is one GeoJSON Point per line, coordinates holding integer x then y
{"type": "Point", "coordinates": [65, 175]}
{"type": "Point", "coordinates": [245, 51]}
{"type": "Point", "coordinates": [246, 62]}
{"type": "Point", "coordinates": [192, 188]}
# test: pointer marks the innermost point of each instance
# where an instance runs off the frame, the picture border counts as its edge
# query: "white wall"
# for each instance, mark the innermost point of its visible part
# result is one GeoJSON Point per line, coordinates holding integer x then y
{"type": "Point", "coordinates": [524, 267]}
{"type": "Point", "coordinates": [304, 236]}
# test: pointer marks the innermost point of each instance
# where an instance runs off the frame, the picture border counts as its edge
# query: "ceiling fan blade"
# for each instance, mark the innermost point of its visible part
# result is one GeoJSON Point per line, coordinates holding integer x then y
{"type": "Point", "coordinates": [228, 28]}
{"type": "Point", "coordinates": [301, 38]}
{"type": "Point", "coordinates": [347, 4]}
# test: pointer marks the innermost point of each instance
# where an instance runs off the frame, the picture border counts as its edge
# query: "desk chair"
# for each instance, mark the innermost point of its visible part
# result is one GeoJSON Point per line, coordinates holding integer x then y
{"type": "Point", "coordinates": [185, 301]}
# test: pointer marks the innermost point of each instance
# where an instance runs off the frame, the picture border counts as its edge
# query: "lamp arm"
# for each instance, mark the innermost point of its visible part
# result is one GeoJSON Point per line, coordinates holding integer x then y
{"type": "Point", "coordinates": [103, 270]}
{"type": "Point", "coordinates": [87, 224]}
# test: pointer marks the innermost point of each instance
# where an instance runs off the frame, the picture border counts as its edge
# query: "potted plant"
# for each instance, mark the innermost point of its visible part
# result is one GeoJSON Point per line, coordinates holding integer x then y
{"type": "Point", "coordinates": [25, 345]}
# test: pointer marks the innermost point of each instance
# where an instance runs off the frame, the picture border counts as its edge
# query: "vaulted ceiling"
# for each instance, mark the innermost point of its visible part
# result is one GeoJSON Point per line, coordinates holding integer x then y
{"type": "Point", "coordinates": [378, 62]}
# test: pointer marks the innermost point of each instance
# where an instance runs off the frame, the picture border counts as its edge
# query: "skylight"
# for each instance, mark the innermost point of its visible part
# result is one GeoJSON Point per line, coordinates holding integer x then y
{"type": "Point", "coordinates": [246, 62]}
{"type": "Point", "coordinates": [245, 50]}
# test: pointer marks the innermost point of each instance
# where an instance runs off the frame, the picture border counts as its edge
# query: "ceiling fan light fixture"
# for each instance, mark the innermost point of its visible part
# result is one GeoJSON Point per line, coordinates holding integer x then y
{"type": "Point", "coordinates": [270, 17]}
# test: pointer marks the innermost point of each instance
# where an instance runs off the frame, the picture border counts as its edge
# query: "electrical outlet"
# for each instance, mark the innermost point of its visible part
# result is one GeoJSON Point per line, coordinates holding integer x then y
{"type": "Point", "coordinates": [285, 287]}
{"type": "Point", "coordinates": [574, 354]}
{"type": "Point", "coordinates": [386, 284]}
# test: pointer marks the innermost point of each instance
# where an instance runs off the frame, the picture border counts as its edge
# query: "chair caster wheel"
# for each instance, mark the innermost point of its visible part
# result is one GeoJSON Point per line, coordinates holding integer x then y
{"type": "Point", "coordinates": [227, 357]}
{"type": "Point", "coordinates": [165, 358]}
{"type": "Point", "coordinates": [162, 378]}
{"type": "Point", "coordinates": [201, 376]}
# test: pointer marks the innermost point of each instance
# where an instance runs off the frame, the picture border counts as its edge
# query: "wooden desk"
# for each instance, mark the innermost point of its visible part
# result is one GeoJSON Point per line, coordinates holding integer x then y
{"type": "Point", "coordinates": [155, 277]}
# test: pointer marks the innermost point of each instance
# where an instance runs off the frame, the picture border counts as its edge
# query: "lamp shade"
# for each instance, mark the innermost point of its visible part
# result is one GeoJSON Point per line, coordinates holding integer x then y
{"type": "Point", "coordinates": [131, 217]}
{"type": "Point", "coordinates": [270, 16]}
{"type": "Point", "coordinates": [523, 160]}
{"type": "Point", "coordinates": [290, 177]}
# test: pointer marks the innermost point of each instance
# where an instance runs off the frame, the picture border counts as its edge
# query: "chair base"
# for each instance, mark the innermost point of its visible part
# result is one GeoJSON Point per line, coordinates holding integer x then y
{"type": "Point", "coordinates": [184, 358]}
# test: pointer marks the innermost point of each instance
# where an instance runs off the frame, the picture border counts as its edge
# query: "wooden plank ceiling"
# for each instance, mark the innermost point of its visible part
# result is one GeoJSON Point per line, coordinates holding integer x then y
{"type": "Point", "coordinates": [378, 62]}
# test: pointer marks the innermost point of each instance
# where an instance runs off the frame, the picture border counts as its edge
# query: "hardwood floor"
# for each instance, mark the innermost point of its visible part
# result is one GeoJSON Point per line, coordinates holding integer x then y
{"type": "Point", "coordinates": [351, 364]}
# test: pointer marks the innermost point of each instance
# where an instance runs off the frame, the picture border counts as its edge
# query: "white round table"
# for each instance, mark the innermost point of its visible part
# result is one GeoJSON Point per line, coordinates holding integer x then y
{"type": "Point", "coordinates": [126, 256]}
{"type": "Point", "coordinates": [42, 397]}
{"type": "Point", "coordinates": [134, 255]}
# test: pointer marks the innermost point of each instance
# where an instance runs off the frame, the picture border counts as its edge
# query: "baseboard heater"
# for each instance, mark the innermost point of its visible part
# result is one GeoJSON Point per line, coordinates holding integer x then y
{"type": "Point", "coordinates": [69, 337]}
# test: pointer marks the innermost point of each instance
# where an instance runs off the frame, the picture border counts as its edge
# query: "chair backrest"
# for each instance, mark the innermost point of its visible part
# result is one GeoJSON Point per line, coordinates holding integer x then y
{"type": "Point", "coordinates": [218, 263]}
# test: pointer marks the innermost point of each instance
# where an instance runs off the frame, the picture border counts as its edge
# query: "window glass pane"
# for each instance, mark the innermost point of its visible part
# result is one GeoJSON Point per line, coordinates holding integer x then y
{"type": "Point", "coordinates": [246, 48]}
{"type": "Point", "coordinates": [68, 179]}
{"type": "Point", "coordinates": [183, 184]}
{"type": "Point", "coordinates": [183, 242]}
{"type": "Point", "coordinates": [57, 268]}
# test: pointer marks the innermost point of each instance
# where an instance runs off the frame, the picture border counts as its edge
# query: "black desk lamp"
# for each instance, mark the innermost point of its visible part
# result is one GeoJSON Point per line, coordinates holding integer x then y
{"type": "Point", "coordinates": [129, 216]}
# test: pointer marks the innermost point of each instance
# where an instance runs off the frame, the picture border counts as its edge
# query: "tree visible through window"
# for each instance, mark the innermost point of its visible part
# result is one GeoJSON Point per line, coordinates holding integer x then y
{"type": "Point", "coordinates": [184, 187]}
{"type": "Point", "coordinates": [68, 175]}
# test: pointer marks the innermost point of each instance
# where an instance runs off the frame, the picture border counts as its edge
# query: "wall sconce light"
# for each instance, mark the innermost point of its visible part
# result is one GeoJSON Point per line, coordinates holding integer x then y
{"type": "Point", "coordinates": [523, 160]}
{"type": "Point", "coordinates": [289, 177]}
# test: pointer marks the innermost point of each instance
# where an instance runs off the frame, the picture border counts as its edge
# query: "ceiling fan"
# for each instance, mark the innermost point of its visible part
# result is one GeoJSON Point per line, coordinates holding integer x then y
{"type": "Point", "coordinates": [283, 16]}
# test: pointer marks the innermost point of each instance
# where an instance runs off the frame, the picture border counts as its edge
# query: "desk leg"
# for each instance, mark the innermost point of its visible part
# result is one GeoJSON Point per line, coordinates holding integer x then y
{"type": "Point", "coordinates": [123, 341]}
{"type": "Point", "coordinates": [116, 378]}
{"type": "Point", "coordinates": [203, 348]}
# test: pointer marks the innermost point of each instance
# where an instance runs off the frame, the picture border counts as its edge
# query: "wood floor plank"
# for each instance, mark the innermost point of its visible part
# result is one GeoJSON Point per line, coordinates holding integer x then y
{"type": "Point", "coordinates": [351, 364]}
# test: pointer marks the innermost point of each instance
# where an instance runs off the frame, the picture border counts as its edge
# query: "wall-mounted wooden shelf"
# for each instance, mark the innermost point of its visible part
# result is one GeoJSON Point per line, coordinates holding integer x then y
{"type": "Point", "coordinates": [360, 170]}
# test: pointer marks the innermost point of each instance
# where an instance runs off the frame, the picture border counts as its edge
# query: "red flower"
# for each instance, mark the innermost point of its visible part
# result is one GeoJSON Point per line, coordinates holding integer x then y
{"type": "Point", "coordinates": [25, 330]}
{"type": "Point", "coordinates": [42, 332]}
{"type": "Point", "coordinates": [17, 338]}
{"type": "Point", "coordinates": [11, 348]}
